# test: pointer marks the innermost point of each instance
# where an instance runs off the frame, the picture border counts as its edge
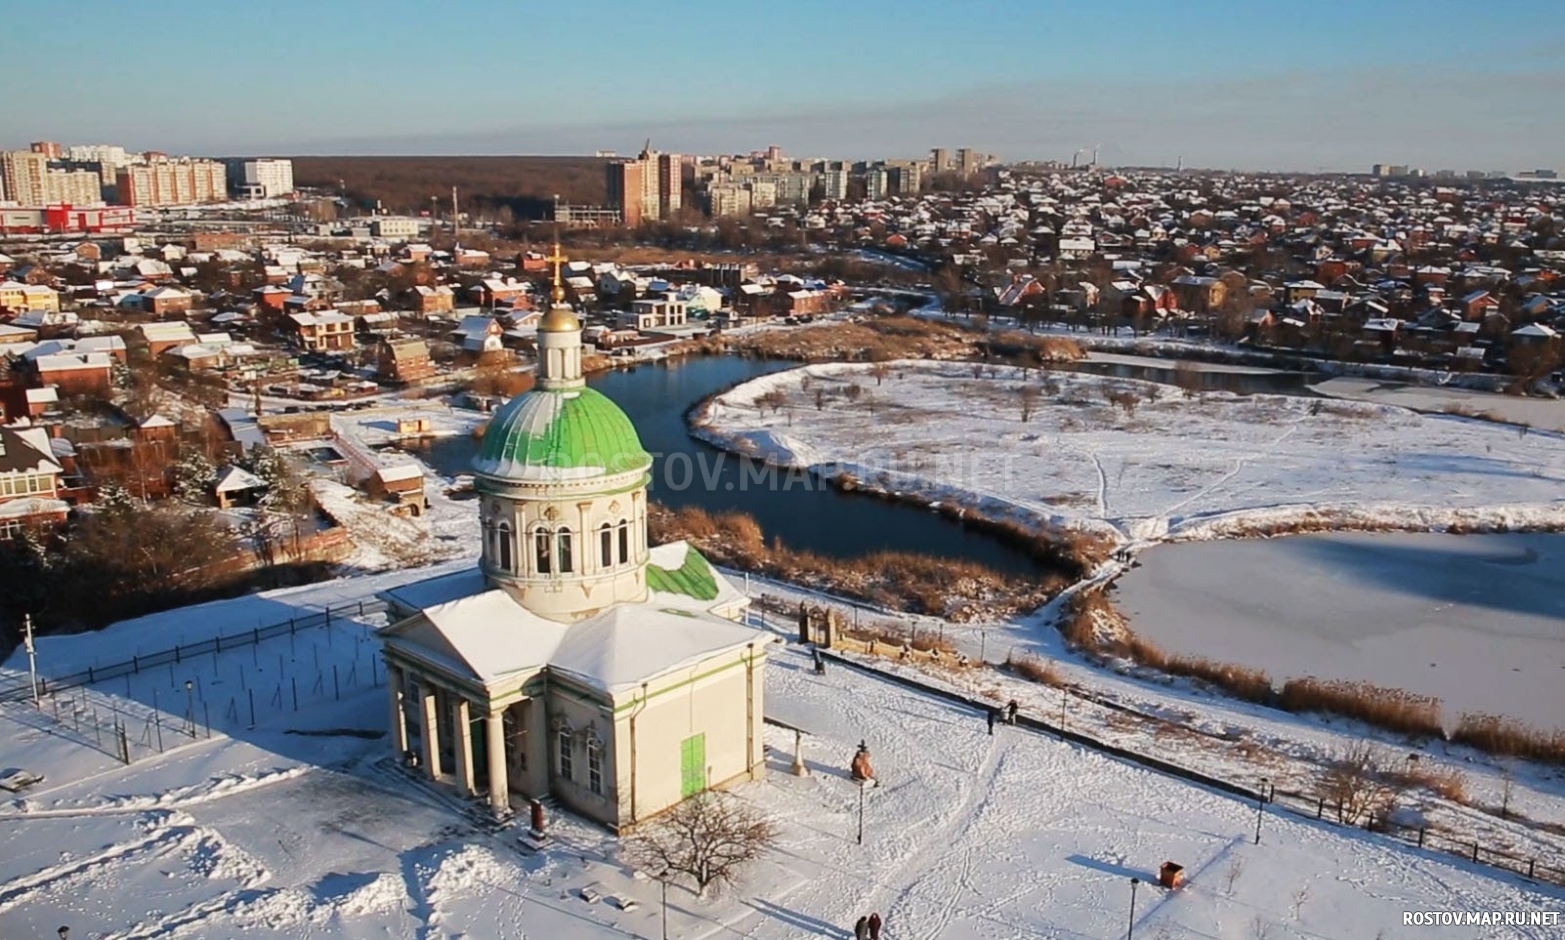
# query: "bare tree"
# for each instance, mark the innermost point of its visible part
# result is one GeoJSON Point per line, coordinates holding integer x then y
{"type": "Point", "coordinates": [1028, 396]}
{"type": "Point", "coordinates": [708, 838]}
{"type": "Point", "coordinates": [774, 399]}
{"type": "Point", "coordinates": [1299, 897]}
{"type": "Point", "coordinates": [1357, 785]}
{"type": "Point", "coordinates": [1231, 875]}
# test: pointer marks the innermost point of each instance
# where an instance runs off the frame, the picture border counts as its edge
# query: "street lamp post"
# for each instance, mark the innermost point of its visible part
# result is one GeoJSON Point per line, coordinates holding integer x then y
{"type": "Point", "coordinates": [1260, 808]}
{"type": "Point", "coordinates": [32, 656]}
{"type": "Point", "coordinates": [1131, 930]}
{"type": "Point", "coordinates": [861, 811]}
{"type": "Point", "coordinates": [190, 706]}
{"type": "Point", "coordinates": [664, 879]}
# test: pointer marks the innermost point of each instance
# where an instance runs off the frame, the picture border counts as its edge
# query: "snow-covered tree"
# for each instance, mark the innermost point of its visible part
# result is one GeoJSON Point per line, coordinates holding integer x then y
{"type": "Point", "coordinates": [115, 499]}
{"type": "Point", "coordinates": [193, 475]}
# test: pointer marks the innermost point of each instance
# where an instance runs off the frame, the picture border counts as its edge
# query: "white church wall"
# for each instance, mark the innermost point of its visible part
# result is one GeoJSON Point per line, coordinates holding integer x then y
{"type": "Point", "coordinates": [707, 699]}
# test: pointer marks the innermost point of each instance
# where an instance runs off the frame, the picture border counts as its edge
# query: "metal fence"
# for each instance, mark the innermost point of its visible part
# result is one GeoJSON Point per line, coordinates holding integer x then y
{"type": "Point", "coordinates": [1312, 806]}
{"type": "Point", "coordinates": [92, 675]}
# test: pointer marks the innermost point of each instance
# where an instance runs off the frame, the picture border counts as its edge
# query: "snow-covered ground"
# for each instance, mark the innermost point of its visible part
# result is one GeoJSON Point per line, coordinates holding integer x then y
{"type": "Point", "coordinates": [263, 833]}
{"type": "Point", "coordinates": [1203, 466]}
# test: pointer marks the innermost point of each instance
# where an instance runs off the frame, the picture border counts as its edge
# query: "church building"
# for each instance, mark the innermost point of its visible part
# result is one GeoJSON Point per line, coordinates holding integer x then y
{"type": "Point", "coordinates": [574, 662]}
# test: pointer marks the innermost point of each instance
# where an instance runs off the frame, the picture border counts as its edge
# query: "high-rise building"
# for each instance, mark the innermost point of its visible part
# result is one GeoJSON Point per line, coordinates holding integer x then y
{"type": "Point", "coordinates": [774, 153]}
{"type": "Point", "coordinates": [834, 182]}
{"type": "Point", "coordinates": [26, 174]}
{"type": "Point", "coordinates": [166, 182]}
{"type": "Point", "coordinates": [907, 177]}
{"type": "Point", "coordinates": [728, 199]}
{"type": "Point", "coordinates": [72, 187]}
{"type": "Point", "coordinates": [48, 148]}
{"type": "Point", "coordinates": [647, 188]}
{"type": "Point", "coordinates": [32, 179]}
{"type": "Point", "coordinates": [670, 176]}
{"type": "Point", "coordinates": [626, 185]}
{"type": "Point", "coordinates": [877, 183]}
{"type": "Point", "coordinates": [939, 160]}
{"type": "Point", "coordinates": [268, 178]}
{"type": "Point", "coordinates": [98, 153]}
{"type": "Point", "coordinates": [969, 161]}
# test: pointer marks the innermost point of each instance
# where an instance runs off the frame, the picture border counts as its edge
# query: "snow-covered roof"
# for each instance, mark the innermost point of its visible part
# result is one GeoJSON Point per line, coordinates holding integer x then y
{"type": "Point", "coordinates": [407, 471]}
{"type": "Point", "coordinates": [486, 635]}
{"type": "Point", "coordinates": [237, 479]}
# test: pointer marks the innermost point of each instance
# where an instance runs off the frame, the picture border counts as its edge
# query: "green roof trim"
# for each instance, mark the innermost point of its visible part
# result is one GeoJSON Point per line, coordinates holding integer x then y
{"type": "Point", "coordinates": [694, 578]}
{"type": "Point", "coordinates": [551, 430]}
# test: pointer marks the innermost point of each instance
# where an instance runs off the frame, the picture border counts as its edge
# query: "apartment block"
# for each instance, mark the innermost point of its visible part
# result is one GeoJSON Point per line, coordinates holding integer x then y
{"type": "Point", "coordinates": [26, 176]}
{"type": "Point", "coordinates": [626, 184]}
{"type": "Point", "coordinates": [171, 182]}
{"type": "Point", "coordinates": [267, 178]}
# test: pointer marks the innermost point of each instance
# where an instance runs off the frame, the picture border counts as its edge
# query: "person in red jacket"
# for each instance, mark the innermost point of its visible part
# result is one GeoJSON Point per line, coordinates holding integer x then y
{"type": "Point", "coordinates": [874, 926]}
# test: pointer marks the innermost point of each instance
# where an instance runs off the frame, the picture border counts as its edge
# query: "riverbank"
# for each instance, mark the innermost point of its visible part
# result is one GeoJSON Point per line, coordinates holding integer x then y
{"type": "Point", "coordinates": [1141, 461]}
{"type": "Point", "coordinates": [1145, 463]}
{"type": "Point", "coordinates": [883, 339]}
{"type": "Point", "coordinates": [906, 582]}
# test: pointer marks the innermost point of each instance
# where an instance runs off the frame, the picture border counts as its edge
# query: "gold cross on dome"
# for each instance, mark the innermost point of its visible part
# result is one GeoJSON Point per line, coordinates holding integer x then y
{"type": "Point", "coordinates": [557, 259]}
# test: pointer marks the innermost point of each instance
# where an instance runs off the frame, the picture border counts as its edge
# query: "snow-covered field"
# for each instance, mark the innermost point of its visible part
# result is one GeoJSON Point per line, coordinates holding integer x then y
{"type": "Point", "coordinates": [1167, 465]}
{"type": "Point", "coordinates": [262, 833]}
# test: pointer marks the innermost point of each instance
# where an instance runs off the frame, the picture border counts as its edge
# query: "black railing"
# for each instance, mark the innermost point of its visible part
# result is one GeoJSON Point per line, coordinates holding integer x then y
{"type": "Point", "coordinates": [23, 691]}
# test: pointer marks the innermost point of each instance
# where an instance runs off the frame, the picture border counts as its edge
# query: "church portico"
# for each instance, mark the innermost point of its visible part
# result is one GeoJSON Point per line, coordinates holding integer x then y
{"type": "Point", "coordinates": [576, 662]}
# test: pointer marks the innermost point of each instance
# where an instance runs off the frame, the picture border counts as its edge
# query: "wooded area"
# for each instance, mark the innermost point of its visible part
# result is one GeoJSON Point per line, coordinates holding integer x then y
{"type": "Point", "coordinates": [524, 187]}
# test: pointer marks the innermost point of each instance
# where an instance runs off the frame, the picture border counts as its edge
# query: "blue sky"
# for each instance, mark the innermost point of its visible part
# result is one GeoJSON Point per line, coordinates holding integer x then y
{"type": "Point", "coordinates": [1260, 84]}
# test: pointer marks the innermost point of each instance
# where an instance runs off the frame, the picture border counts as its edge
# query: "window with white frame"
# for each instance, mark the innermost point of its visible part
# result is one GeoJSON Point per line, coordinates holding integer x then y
{"type": "Point", "coordinates": [595, 766]}
{"type": "Point", "coordinates": [567, 764]}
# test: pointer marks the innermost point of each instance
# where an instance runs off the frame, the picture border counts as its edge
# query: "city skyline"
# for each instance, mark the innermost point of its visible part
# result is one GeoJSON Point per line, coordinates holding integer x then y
{"type": "Point", "coordinates": [1403, 82]}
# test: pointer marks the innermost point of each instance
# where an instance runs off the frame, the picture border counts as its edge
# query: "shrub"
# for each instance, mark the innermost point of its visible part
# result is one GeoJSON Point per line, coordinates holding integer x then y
{"type": "Point", "coordinates": [1393, 709]}
{"type": "Point", "coordinates": [1509, 738]}
{"type": "Point", "coordinates": [1036, 669]}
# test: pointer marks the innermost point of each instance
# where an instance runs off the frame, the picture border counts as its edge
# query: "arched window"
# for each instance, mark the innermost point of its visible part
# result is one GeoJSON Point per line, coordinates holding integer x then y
{"type": "Point", "coordinates": [624, 541]}
{"type": "Point", "coordinates": [503, 536]}
{"type": "Point", "coordinates": [606, 546]}
{"type": "Point", "coordinates": [565, 551]}
{"type": "Point", "coordinates": [541, 542]}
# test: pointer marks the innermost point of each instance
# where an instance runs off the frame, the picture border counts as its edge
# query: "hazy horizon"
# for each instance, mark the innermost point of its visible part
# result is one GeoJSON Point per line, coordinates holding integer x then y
{"type": "Point", "coordinates": [1334, 87]}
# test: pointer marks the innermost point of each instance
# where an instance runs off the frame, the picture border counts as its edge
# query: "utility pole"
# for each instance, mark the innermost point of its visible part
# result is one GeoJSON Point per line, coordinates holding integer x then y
{"type": "Point", "coordinates": [455, 224]}
{"type": "Point", "coordinates": [32, 656]}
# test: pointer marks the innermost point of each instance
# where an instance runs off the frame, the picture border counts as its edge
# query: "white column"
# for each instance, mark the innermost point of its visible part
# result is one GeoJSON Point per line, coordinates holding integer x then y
{"type": "Point", "coordinates": [464, 747]}
{"type": "Point", "coordinates": [499, 786]}
{"type": "Point", "coordinates": [431, 729]}
{"type": "Point", "coordinates": [399, 718]}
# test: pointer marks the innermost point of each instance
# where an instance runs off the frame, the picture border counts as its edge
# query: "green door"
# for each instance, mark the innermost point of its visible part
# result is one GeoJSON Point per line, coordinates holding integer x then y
{"type": "Point", "coordinates": [692, 765]}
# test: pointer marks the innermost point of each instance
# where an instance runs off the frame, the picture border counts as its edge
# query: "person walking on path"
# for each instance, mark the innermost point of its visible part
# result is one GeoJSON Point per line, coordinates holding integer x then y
{"type": "Point", "coordinates": [874, 926]}
{"type": "Point", "coordinates": [991, 715]}
{"type": "Point", "coordinates": [861, 929]}
{"type": "Point", "coordinates": [1010, 711]}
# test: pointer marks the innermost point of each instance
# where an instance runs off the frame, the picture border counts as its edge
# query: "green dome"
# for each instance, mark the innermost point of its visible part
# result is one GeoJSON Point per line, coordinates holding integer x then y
{"type": "Point", "coordinates": [555, 435]}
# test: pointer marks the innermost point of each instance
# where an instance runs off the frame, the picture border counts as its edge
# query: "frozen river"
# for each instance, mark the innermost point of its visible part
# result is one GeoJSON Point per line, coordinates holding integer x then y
{"type": "Point", "coordinates": [1478, 620]}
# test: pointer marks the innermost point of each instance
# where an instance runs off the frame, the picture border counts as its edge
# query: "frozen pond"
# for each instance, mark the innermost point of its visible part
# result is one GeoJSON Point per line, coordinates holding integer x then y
{"type": "Point", "coordinates": [1478, 620]}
